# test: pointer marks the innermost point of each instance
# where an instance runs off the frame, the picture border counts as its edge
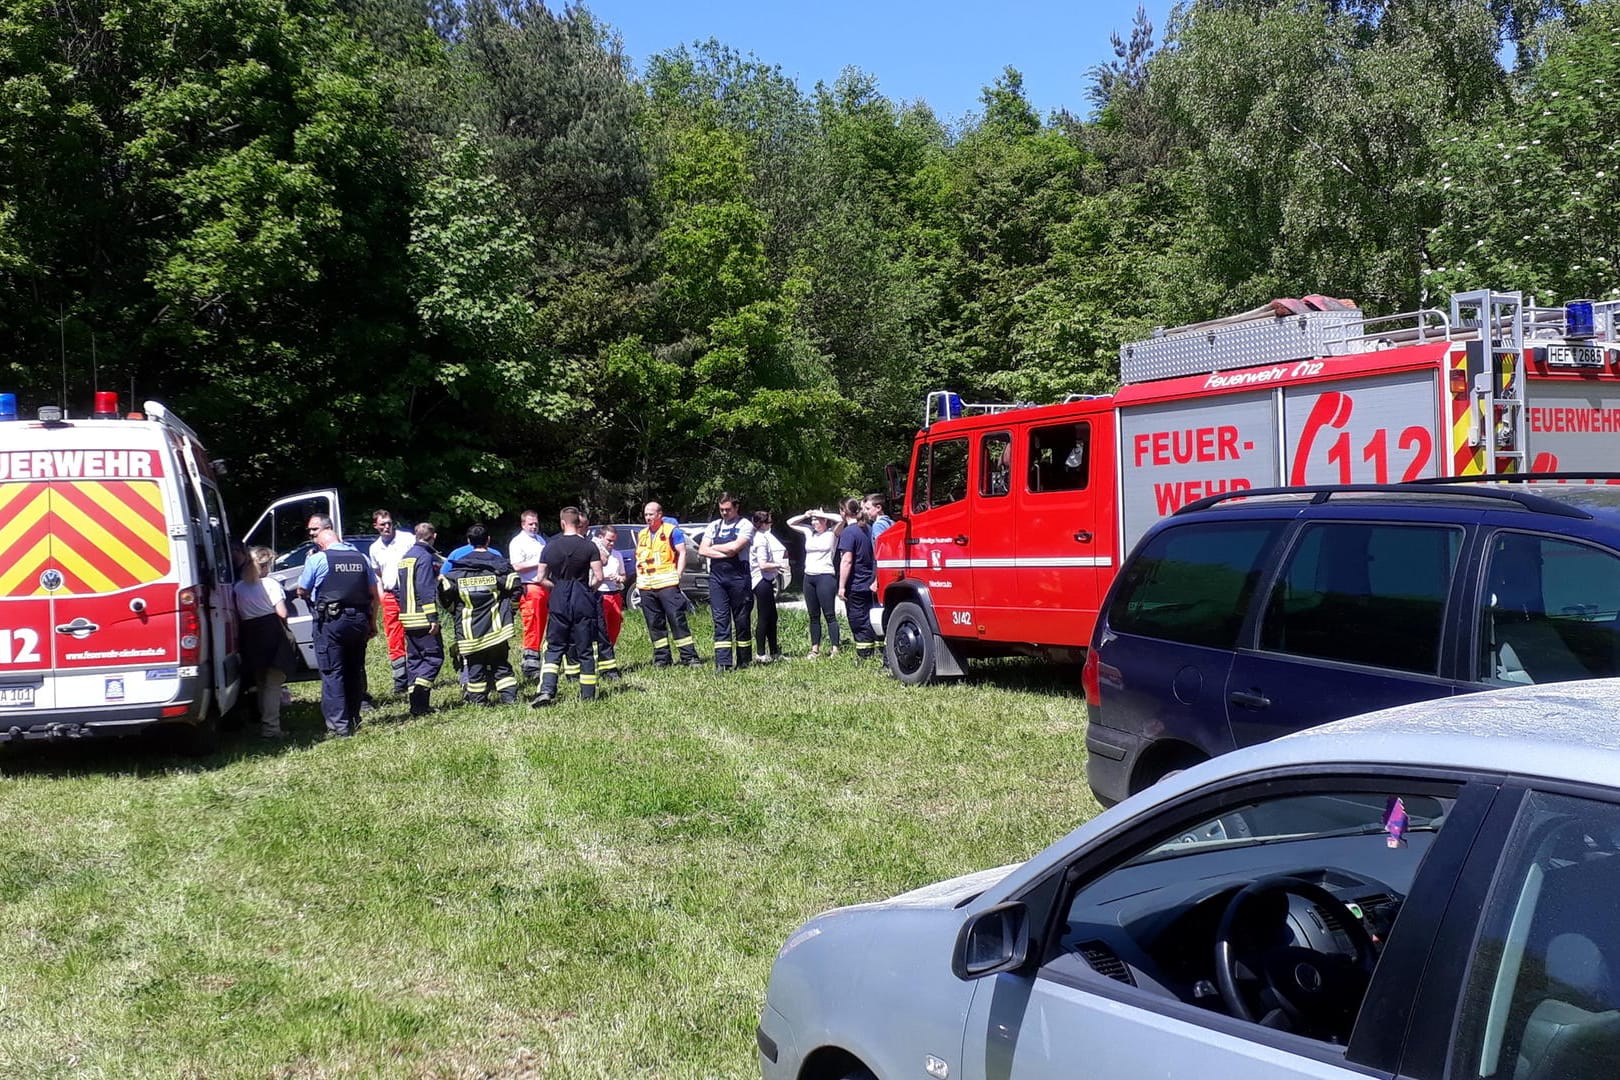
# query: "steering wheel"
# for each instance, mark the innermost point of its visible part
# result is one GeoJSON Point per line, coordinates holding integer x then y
{"type": "Point", "coordinates": [1300, 989]}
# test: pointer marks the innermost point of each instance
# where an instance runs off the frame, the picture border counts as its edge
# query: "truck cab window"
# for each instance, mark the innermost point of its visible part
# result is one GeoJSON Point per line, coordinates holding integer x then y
{"type": "Point", "coordinates": [1060, 457]}
{"type": "Point", "coordinates": [995, 465]}
{"type": "Point", "coordinates": [948, 472]}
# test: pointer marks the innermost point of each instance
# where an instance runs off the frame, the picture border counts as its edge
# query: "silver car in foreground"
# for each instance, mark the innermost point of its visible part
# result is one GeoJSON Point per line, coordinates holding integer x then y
{"type": "Point", "coordinates": [1430, 892]}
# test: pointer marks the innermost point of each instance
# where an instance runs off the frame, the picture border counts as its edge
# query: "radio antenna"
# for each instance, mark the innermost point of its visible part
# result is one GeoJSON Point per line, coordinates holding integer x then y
{"type": "Point", "coordinates": [95, 368]}
{"type": "Point", "coordinates": [61, 333]}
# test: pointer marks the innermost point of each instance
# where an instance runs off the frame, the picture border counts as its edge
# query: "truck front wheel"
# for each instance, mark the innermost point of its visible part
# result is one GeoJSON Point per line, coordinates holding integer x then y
{"type": "Point", "coordinates": [908, 646]}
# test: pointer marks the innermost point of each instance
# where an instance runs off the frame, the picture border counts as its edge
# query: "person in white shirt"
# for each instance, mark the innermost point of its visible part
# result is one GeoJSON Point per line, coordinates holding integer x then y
{"type": "Point", "coordinates": [384, 555]}
{"type": "Point", "coordinates": [820, 576]}
{"type": "Point", "coordinates": [767, 561]}
{"type": "Point", "coordinates": [525, 551]}
{"type": "Point", "coordinates": [612, 587]}
{"type": "Point", "coordinates": [267, 649]}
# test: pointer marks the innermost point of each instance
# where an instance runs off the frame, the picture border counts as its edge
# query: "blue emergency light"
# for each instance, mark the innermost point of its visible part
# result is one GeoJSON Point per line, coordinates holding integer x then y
{"type": "Point", "coordinates": [1578, 319]}
{"type": "Point", "coordinates": [953, 406]}
{"type": "Point", "coordinates": [8, 407]}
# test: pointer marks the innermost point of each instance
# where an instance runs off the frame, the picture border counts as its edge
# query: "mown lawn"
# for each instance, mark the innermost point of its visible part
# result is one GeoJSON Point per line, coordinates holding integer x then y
{"type": "Point", "coordinates": [587, 891]}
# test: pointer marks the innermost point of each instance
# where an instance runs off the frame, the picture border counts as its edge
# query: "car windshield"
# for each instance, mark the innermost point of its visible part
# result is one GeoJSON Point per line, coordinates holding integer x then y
{"type": "Point", "coordinates": [1306, 817]}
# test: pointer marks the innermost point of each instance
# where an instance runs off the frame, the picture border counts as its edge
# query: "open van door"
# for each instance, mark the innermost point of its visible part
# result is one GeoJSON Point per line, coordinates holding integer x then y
{"type": "Point", "coordinates": [283, 528]}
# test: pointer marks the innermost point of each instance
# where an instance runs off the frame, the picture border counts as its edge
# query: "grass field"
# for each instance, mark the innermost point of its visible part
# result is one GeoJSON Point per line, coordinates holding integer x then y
{"type": "Point", "coordinates": [586, 891]}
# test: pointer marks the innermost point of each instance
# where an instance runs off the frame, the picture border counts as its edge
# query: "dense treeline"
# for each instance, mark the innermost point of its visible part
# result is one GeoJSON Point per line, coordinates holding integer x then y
{"type": "Point", "coordinates": [458, 256]}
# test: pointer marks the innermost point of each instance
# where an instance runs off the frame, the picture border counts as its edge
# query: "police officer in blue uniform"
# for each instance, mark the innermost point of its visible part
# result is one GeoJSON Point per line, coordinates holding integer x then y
{"type": "Point", "coordinates": [341, 589]}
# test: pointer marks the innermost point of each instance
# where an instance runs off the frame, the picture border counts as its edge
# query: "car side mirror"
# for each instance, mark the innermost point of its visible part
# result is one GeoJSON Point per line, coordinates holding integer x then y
{"type": "Point", "coordinates": [896, 483]}
{"type": "Point", "coordinates": [994, 940]}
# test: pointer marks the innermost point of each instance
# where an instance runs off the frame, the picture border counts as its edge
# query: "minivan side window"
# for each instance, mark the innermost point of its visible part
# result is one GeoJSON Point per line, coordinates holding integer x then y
{"type": "Point", "coordinates": [1542, 997]}
{"type": "Point", "coordinates": [1192, 584]}
{"type": "Point", "coordinates": [995, 465]}
{"type": "Point", "coordinates": [1551, 611]}
{"type": "Point", "coordinates": [948, 472]}
{"type": "Point", "coordinates": [1059, 457]}
{"type": "Point", "coordinates": [1364, 593]}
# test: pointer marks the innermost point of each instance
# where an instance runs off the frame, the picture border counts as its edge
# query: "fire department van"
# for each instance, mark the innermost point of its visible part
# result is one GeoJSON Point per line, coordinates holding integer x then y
{"type": "Point", "coordinates": [116, 611]}
{"type": "Point", "coordinates": [1013, 518]}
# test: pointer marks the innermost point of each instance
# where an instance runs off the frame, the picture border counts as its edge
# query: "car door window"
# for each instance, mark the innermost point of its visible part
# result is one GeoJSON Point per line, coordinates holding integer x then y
{"type": "Point", "coordinates": [1272, 909]}
{"type": "Point", "coordinates": [1542, 997]}
{"type": "Point", "coordinates": [1364, 593]}
{"type": "Point", "coordinates": [1192, 584]}
{"type": "Point", "coordinates": [1551, 610]}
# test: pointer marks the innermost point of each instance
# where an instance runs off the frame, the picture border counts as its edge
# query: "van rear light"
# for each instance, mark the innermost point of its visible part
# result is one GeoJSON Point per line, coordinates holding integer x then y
{"type": "Point", "coordinates": [1091, 677]}
{"type": "Point", "coordinates": [189, 603]}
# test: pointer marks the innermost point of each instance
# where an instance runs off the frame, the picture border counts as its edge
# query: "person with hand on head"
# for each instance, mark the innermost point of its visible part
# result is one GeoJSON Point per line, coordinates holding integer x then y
{"type": "Point", "coordinates": [725, 544]}
{"type": "Point", "coordinates": [342, 591]}
{"type": "Point", "coordinates": [767, 561]}
{"type": "Point", "coordinates": [820, 575]}
{"type": "Point", "coordinates": [415, 593]}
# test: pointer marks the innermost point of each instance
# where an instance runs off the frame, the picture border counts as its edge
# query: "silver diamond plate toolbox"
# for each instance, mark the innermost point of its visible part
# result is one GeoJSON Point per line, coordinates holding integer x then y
{"type": "Point", "coordinates": [1223, 346]}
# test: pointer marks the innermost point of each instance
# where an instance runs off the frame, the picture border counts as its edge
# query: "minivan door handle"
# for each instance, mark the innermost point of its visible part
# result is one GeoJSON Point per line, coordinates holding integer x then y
{"type": "Point", "coordinates": [961, 539]}
{"type": "Point", "coordinates": [1249, 699]}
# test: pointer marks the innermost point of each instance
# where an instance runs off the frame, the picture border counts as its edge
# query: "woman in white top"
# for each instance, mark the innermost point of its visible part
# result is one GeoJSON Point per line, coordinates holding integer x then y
{"type": "Point", "coordinates": [767, 560]}
{"type": "Point", "coordinates": [267, 650]}
{"type": "Point", "coordinates": [612, 587]}
{"type": "Point", "coordinates": [820, 576]}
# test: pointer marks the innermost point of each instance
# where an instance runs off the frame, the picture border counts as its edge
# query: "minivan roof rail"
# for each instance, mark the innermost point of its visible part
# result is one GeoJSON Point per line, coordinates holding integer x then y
{"type": "Point", "coordinates": [1321, 493]}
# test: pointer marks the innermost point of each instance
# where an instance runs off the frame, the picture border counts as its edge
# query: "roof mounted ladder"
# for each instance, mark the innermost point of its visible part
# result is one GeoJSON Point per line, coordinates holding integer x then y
{"type": "Point", "coordinates": [1496, 362]}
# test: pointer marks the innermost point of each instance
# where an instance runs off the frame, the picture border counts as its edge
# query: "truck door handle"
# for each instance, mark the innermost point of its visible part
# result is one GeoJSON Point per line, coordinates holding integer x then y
{"type": "Point", "coordinates": [1084, 536]}
{"type": "Point", "coordinates": [961, 539]}
{"type": "Point", "coordinates": [80, 627]}
{"type": "Point", "coordinates": [1249, 699]}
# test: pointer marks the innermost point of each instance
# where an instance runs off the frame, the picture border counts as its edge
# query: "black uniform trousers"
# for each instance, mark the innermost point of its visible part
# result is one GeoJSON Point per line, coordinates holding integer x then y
{"type": "Point", "coordinates": [665, 612]}
{"type": "Point", "coordinates": [765, 616]}
{"type": "Point", "coordinates": [858, 605]}
{"type": "Point", "coordinates": [340, 653]}
{"type": "Point", "coordinates": [731, 603]}
{"type": "Point", "coordinates": [424, 656]}
{"type": "Point", "coordinates": [571, 631]}
{"type": "Point", "coordinates": [606, 660]}
{"type": "Point", "coordinates": [489, 675]}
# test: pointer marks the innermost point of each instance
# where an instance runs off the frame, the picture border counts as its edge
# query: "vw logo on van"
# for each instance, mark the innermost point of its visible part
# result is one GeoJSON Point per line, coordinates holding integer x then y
{"type": "Point", "coordinates": [50, 580]}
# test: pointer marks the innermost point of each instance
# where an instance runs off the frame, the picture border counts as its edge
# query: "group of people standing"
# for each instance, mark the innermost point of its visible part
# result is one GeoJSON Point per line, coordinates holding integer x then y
{"type": "Point", "coordinates": [569, 591]}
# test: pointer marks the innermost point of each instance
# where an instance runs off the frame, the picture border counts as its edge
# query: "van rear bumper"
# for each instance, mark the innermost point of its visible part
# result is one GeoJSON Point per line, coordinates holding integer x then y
{"type": "Point", "coordinates": [87, 723]}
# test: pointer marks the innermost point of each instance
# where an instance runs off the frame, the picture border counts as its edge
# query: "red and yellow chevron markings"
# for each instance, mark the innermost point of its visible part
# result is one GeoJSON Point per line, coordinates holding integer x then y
{"type": "Point", "coordinates": [1466, 460]}
{"type": "Point", "coordinates": [101, 535]}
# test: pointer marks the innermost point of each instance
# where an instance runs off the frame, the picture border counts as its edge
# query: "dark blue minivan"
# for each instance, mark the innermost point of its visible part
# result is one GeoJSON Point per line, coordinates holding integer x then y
{"type": "Point", "coordinates": [1244, 617]}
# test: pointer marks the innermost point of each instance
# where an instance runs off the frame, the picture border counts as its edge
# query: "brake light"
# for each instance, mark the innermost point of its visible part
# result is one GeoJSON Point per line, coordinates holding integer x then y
{"type": "Point", "coordinates": [1091, 677]}
{"type": "Point", "coordinates": [190, 607]}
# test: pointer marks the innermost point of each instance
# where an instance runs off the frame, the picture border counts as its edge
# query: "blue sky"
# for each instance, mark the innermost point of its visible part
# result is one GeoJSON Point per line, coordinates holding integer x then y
{"type": "Point", "coordinates": [943, 51]}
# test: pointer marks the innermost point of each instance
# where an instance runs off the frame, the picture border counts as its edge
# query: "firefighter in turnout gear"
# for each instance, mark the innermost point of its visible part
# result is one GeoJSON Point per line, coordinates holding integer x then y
{"type": "Point", "coordinates": [480, 588]}
{"type": "Point", "coordinates": [571, 570]}
{"type": "Point", "coordinates": [415, 595]}
{"type": "Point", "coordinates": [660, 562]}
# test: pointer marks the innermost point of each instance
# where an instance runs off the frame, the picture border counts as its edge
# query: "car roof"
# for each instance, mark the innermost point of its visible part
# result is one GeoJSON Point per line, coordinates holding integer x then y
{"type": "Point", "coordinates": [1561, 731]}
{"type": "Point", "coordinates": [1569, 500]}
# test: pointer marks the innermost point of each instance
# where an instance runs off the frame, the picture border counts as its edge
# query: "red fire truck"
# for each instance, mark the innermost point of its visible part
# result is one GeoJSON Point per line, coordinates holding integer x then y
{"type": "Point", "coordinates": [1014, 518]}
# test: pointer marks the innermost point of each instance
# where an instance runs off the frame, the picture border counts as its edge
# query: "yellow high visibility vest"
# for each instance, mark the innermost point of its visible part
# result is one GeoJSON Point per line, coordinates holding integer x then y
{"type": "Point", "coordinates": [656, 566]}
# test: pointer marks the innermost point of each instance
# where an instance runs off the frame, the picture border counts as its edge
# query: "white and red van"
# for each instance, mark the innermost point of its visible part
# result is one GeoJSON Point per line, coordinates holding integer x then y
{"type": "Point", "coordinates": [1013, 519]}
{"type": "Point", "coordinates": [116, 609]}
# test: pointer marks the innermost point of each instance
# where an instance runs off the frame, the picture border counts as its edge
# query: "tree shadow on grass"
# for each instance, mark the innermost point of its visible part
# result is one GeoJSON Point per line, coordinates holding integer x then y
{"type": "Point", "coordinates": [165, 750]}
